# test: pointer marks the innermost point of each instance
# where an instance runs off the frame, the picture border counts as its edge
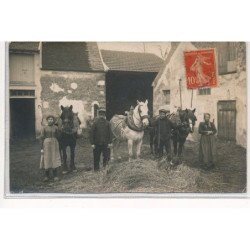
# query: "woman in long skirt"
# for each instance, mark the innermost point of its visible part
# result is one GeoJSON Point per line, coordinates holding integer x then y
{"type": "Point", "coordinates": [50, 148]}
{"type": "Point", "coordinates": [207, 152]}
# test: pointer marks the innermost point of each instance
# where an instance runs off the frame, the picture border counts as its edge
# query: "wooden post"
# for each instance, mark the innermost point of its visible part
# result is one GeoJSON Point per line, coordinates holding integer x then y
{"type": "Point", "coordinates": [180, 92]}
{"type": "Point", "coordinates": [192, 97]}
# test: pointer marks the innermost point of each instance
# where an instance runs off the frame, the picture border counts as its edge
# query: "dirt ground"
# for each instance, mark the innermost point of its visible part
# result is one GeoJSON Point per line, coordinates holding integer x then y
{"type": "Point", "coordinates": [144, 175]}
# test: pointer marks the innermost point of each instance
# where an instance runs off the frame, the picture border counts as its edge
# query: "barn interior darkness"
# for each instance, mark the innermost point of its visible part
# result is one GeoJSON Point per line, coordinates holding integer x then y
{"type": "Point", "coordinates": [123, 89]}
{"type": "Point", "coordinates": [22, 118]}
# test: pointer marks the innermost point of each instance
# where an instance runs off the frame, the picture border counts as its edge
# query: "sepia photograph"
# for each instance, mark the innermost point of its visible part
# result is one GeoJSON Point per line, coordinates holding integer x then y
{"type": "Point", "coordinates": [116, 118]}
{"type": "Point", "coordinates": [124, 125]}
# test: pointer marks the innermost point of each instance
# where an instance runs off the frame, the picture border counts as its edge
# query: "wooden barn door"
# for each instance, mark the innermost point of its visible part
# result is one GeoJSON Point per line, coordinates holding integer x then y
{"type": "Point", "coordinates": [227, 120]}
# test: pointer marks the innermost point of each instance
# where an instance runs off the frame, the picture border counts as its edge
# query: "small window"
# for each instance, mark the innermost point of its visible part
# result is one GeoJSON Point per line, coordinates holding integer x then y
{"type": "Point", "coordinates": [166, 94]}
{"type": "Point", "coordinates": [204, 91]}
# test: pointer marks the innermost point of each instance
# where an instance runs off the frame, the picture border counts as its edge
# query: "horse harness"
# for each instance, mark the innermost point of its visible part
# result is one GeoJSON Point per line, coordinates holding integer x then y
{"type": "Point", "coordinates": [130, 121]}
{"type": "Point", "coordinates": [182, 130]}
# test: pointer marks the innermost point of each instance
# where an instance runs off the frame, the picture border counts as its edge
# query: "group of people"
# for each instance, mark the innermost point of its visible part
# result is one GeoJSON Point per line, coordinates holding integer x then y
{"type": "Point", "coordinates": [162, 129]}
{"type": "Point", "coordinates": [101, 142]}
{"type": "Point", "coordinates": [100, 139]}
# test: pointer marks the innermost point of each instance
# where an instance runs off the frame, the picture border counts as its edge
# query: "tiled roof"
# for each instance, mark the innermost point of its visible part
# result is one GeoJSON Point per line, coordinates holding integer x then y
{"type": "Point", "coordinates": [71, 56]}
{"type": "Point", "coordinates": [23, 46]}
{"type": "Point", "coordinates": [94, 56]}
{"type": "Point", "coordinates": [131, 61]}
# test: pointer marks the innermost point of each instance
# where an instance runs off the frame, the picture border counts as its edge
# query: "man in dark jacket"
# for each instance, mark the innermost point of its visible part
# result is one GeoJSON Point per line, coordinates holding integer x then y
{"type": "Point", "coordinates": [163, 127]}
{"type": "Point", "coordinates": [101, 139]}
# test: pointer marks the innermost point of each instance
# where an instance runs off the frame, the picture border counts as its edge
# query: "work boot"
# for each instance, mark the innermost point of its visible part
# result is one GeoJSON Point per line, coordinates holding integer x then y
{"type": "Point", "coordinates": [211, 165]}
{"type": "Point", "coordinates": [46, 178]}
{"type": "Point", "coordinates": [55, 174]}
{"type": "Point", "coordinates": [205, 167]}
{"type": "Point", "coordinates": [96, 169]}
{"type": "Point", "coordinates": [73, 168]}
{"type": "Point", "coordinates": [65, 169]}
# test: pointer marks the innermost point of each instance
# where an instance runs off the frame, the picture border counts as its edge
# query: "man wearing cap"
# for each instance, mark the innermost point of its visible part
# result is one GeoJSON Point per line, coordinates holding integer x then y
{"type": "Point", "coordinates": [101, 139]}
{"type": "Point", "coordinates": [163, 127]}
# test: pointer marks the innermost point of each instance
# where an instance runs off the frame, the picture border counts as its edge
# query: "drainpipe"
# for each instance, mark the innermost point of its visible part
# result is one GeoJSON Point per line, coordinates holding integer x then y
{"type": "Point", "coordinates": [180, 92]}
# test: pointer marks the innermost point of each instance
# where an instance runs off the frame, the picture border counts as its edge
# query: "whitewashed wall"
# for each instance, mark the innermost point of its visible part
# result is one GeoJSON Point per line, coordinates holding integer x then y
{"type": "Point", "coordinates": [230, 87]}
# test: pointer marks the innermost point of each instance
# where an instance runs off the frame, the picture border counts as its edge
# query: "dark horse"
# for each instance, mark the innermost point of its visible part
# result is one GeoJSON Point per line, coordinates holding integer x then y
{"type": "Point", "coordinates": [68, 125]}
{"type": "Point", "coordinates": [185, 126]}
{"type": "Point", "coordinates": [184, 123]}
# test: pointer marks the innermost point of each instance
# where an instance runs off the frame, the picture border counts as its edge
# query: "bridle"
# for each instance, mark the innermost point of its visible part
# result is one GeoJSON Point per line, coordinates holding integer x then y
{"type": "Point", "coordinates": [185, 120]}
{"type": "Point", "coordinates": [69, 123]}
{"type": "Point", "coordinates": [142, 117]}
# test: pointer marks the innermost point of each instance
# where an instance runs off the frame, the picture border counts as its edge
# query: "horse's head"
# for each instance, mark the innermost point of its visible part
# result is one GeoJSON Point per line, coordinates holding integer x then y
{"type": "Point", "coordinates": [143, 112]}
{"type": "Point", "coordinates": [188, 116]}
{"type": "Point", "coordinates": [67, 117]}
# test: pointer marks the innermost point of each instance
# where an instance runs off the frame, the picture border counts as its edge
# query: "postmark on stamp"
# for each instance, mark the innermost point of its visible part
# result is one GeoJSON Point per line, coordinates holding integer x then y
{"type": "Point", "coordinates": [200, 68]}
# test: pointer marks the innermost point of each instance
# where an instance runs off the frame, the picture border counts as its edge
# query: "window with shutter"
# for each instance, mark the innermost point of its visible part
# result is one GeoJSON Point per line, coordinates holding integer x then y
{"type": "Point", "coordinates": [226, 57]}
{"type": "Point", "coordinates": [166, 94]}
{"type": "Point", "coordinates": [21, 69]}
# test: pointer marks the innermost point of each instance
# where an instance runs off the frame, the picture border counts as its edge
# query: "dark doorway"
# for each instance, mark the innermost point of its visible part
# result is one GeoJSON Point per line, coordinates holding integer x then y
{"type": "Point", "coordinates": [22, 118]}
{"type": "Point", "coordinates": [123, 89]}
{"type": "Point", "coordinates": [227, 120]}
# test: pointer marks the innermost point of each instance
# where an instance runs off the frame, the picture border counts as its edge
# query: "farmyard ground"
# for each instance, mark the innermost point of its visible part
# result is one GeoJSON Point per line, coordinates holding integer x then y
{"type": "Point", "coordinates": [144, 175]}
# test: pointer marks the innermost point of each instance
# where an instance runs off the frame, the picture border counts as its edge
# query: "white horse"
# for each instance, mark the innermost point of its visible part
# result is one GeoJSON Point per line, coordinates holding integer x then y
{"type": "Point", "coordinates": [131, 128]}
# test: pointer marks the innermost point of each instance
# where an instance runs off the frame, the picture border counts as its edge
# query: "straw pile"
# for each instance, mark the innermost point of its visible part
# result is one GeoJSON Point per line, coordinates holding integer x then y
{"type": "Point", "coordinates": [147, 176]}
{"type": "Point", "coordinates": [150, 176]}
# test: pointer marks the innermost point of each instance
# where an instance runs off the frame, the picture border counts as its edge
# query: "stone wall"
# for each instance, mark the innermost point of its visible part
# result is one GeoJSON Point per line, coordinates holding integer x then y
{"type": "Point", "coordinates": [80, 89]}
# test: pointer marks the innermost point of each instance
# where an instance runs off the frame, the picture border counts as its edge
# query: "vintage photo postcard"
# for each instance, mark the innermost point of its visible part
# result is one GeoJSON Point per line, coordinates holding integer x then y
{"type": "Point", "coordinates": [113, 118]}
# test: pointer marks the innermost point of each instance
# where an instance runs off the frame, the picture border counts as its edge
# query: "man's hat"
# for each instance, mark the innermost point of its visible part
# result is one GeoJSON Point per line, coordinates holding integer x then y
{"type": "Point", "coordinates": [50, 116]}
{"type": "Point", "coordinates": [163, 111]}
{"type": "Point", "coordinates": [102, 110]}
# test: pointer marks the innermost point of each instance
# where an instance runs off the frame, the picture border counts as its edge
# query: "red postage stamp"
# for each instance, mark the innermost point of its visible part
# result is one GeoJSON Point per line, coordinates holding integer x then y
{"type": "Point", "coordinates": [200, 68]}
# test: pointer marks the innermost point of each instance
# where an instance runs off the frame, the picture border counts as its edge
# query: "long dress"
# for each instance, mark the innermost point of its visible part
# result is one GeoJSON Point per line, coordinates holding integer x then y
{"type": "Point", "coordinates": [207, 150]}
{"type": "Point", "coordinates": [49, 136]}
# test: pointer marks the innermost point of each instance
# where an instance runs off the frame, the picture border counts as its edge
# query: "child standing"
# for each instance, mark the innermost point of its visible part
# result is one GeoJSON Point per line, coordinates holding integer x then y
{"type": "Point", "coordinates": [50, 148]}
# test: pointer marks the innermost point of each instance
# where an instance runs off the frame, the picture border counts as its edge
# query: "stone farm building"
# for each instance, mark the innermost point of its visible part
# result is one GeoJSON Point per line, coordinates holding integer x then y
{"type": "Point", "coordinates": [227, 103]}
{"type": "Point", "coordinates": [45, 75]}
